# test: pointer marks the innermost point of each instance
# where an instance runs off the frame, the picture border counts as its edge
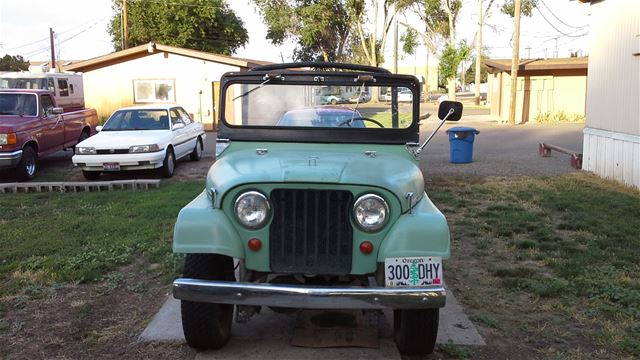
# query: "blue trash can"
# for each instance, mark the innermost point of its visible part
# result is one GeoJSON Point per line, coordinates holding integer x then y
{"type": "Point", "coordinates": [461, 142]}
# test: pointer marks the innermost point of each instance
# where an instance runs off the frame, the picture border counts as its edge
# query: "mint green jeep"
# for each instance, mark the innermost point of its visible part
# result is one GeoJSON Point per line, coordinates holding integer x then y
{"type": "Point", "coordinates": [314, 206]}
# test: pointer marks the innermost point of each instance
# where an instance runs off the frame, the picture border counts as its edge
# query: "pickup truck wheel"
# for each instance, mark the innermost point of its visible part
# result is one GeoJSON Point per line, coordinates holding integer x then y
{"type": "Point", "coordinates": [196, 154]}
{"type": "Point", "coordinates": [207, 326]}
{"type": "Point", "coordinates": [26, 169]}
{"type": "Point", "coordinates": [168, 165]}
{"type": "Point", "coordinates": [91, 175]}
{"type": "Point", "coordinates": [415, 330]}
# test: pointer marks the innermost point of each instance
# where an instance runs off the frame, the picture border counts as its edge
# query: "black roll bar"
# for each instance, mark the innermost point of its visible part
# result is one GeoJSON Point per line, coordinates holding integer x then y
{"type": "Point", "coordinates": [320, 65]}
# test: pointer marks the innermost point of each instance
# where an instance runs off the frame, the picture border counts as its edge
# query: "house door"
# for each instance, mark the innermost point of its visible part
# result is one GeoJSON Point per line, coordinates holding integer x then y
{"type": "Point", "coordinates": [215, 94]}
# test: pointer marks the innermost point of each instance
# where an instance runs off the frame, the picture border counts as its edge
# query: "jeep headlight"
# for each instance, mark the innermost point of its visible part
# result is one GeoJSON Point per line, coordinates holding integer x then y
{"type": "Point", "coordinates": [85, 150]}
{"type": "Point", "coordinates": [252, 209]}
{"type": "Point", "coordinates": [370, 212]}
{"type": "Point", "coordinates": [144, 148]}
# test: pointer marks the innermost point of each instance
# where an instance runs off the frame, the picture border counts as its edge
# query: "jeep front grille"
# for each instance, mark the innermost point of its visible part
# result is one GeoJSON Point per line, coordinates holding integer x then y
{"type": "Point", "coordinates": [310, 232]}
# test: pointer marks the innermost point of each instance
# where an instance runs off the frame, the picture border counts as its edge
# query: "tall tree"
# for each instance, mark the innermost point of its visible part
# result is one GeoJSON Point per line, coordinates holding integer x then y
{"type": "Point", "coordinates": [321, 28]}
{"type": "Point", "coordinates": [13, 63]}
{"type": "Point", "coordinates": [373, 37]}
{"type": "Point", "coordinates": [206, 25]}
{"type": "Point", "coordinates": [438, 21]}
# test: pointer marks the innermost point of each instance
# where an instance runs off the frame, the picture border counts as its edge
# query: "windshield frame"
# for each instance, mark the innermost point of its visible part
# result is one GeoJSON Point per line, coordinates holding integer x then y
{"type": "Point", "coordinates": [409, 134]}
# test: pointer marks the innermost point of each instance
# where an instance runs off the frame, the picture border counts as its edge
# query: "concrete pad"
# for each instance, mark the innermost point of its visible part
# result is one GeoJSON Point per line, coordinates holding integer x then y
{"type": "Point", "coordinates": [268, 335]}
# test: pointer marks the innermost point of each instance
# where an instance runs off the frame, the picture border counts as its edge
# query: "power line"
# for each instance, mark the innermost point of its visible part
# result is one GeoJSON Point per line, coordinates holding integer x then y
{"type": "Point", "coordinates": [46, 48]}
{"type": "Point", "coordinates": [47, 38]}
{"type": "Point", "coordinates": [557, 18]}
{"type": "Point", "coordinates": [553, 26]}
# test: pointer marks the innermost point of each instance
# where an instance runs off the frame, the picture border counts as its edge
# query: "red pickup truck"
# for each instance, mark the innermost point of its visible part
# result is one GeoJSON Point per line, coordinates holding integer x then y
{"type": "Point", "coordinates": [32, 126]}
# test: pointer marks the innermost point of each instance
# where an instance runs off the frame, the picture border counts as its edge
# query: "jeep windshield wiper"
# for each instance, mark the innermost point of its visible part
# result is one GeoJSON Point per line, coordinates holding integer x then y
{"type": "Point", "coordinates": [267, 78]}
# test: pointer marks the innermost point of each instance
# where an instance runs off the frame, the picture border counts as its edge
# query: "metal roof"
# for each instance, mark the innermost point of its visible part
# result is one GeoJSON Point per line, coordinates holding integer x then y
{"type": "Point", "coordinates": [499, 65]}
{"type": "Point", "coordinates": [152, 48]}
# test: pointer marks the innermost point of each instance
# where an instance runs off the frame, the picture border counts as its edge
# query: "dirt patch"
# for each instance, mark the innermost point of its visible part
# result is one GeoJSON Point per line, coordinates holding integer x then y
{"type": "Point", "coordinates": [99, 320]}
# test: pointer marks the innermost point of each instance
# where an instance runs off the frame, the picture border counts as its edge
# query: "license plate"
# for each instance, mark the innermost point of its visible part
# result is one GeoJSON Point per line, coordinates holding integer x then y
{"type": "Point", "coordinates": [111, 166]}
{"type": "Point", "coordinates": [413, 271]}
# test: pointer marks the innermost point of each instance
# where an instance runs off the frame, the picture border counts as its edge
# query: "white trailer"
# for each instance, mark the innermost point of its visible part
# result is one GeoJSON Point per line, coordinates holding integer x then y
{"type": "Point", "coordinates": [66, 87]}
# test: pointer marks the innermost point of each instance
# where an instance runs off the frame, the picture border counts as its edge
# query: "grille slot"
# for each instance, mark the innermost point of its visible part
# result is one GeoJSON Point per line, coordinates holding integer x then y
{"type": "Point", "coordinates": [115, 151]}
{"type": "Point", "coordinates": [310, 232]}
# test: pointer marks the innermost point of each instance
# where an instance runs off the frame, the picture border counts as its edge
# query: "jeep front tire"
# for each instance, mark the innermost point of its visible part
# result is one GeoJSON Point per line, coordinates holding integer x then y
{"type": "Point", "coordinates": [207, 326]}
{"type": "Point", "coordinates": [415, 330]}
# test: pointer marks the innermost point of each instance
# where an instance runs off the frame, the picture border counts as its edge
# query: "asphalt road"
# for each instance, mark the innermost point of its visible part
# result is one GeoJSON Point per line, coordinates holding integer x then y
{"type": "Point", "coordinates": [501, 150]}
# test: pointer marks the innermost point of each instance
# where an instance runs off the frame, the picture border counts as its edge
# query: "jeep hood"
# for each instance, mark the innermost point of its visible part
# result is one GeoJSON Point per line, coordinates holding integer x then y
{"type": "Point", "coordinates": [392, 168]}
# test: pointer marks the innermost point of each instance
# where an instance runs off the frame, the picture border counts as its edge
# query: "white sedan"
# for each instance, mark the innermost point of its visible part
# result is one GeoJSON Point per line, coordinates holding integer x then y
{"type": "Point", "coordinates": [141, 137]}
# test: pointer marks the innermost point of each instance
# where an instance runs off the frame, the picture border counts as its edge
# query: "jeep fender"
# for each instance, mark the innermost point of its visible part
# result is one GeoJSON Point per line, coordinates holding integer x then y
{"type": "Point", "coordinates": [202, 229]}
{"type": "Point", "coordinates": [423, 232]}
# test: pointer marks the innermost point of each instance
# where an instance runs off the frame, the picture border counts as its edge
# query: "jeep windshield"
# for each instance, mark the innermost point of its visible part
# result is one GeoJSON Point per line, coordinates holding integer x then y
{"type": "Point", "coordinates": [315, 106]}
{"type": "Point", "coordinates": [326, 106]}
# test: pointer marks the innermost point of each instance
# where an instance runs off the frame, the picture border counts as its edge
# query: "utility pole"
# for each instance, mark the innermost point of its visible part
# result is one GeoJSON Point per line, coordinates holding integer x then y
{"type": "Point", "coordinates": [528, 48]}
{"type": "Point", "coordinates": [514, 62]}
{"type": "Point", "coordinates": [53, 50]}
{"type": "Point", "coordinates": [125, 20]}
{"type": "Point", "coordinates": [426, 76]}
{"type": "Point", "coordinates": [479, 52]}
{"type": "Point", "coordinates": [395, 45]}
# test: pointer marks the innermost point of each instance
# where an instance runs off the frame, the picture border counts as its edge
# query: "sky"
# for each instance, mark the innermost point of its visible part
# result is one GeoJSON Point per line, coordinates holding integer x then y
{"type": "Point", "coordinates": [81, 30]}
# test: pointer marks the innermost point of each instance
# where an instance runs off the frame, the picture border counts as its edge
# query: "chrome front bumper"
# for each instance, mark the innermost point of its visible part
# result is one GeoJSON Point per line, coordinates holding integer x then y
{"type": "Point", "coordinates": [308, 297]}
{"type": "Point", "coordinates": [10, 159]}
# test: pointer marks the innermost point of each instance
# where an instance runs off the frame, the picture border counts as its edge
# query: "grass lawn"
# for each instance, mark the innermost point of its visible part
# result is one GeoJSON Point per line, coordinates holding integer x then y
{"type": "Point", "coordinates": [550, 264]}
{"type": "Point", "coordinates": [51, 238]}
{"type": "Point", "coordinates": [546, 267]}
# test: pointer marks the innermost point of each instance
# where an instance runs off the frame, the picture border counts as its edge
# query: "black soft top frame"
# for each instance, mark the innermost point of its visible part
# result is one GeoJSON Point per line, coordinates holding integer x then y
{"type": "Point", "coordinates": [291, 73]}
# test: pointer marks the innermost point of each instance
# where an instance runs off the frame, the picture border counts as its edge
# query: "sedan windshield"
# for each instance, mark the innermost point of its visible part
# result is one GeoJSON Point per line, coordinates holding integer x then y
{"type": "Point", "coordinates": [124, 120]}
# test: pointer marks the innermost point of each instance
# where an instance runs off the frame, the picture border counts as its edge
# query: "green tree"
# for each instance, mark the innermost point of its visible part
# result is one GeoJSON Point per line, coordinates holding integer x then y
{"type": "Point", "coordinates": [321, 28]}
{"type": "Point", "coordinates": [470, 74]}
{"type": "Point", "coordinates": [205, 25]}
{"type": "Point", "coordinates": [526, 8]}
{"type": "Point", "coordinates": [450, 60]}
{"type": "Point", "coordinates": [13, 63]}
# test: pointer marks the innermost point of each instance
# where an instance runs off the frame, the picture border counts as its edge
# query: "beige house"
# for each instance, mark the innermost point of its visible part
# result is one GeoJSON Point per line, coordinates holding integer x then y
{"type": "Point", "coordinates": [611, 146]}
{"type": "Point", "coordinates": [545, 87]}
{"type": "Point", "coordinates": [156, 73]}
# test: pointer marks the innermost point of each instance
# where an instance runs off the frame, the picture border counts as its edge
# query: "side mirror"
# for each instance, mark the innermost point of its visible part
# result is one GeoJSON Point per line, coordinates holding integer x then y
{"type": "Point", "coordinates": [449, 110]}
{"type": "Point", "coordinates": [178, 126]}
{"type": "Point", "coordinates": [446, 107]}
{"type": "Point", "coordinates": [56, 111]}
{"type": "Point", "coordinates": [98, 128]}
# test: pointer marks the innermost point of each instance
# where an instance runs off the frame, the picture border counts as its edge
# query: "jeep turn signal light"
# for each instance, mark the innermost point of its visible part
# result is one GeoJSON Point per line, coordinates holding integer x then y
{"type": "Point", "coordinates": [255, 244]}
{"type": "Point", "coordinates": [366, 247]}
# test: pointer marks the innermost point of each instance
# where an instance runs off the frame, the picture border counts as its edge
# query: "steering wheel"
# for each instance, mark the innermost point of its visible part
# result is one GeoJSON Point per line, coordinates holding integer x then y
{"type": "Point", "coordinates": [348, 121]}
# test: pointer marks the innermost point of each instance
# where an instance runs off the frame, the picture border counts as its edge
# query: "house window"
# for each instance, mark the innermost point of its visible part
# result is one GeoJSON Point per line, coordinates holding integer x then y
{"type": "Point", "coordinates": [154, 91]}
{"type": "Point", "coordinates": [63, 87]}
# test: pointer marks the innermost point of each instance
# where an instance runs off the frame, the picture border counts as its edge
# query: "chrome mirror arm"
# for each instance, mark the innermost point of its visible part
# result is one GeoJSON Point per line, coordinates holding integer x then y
{"type": "Point", "coordinates": [419, 150]}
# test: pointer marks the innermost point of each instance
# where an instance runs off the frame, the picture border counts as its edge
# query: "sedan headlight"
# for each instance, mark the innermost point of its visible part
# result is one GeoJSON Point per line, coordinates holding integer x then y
{"type": "Point", "coordinates": [85, 150]}
{"type": "Point", "coordinates": [252, 209]}
{"type": "Point", "coordinates": [144, 148]}
{"type": "Point", "coordinates": [370, 212]}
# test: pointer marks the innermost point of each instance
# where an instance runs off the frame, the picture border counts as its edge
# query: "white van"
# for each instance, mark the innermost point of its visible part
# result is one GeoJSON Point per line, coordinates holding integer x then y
{"type": "Point", "coordinates": [65, 87]}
